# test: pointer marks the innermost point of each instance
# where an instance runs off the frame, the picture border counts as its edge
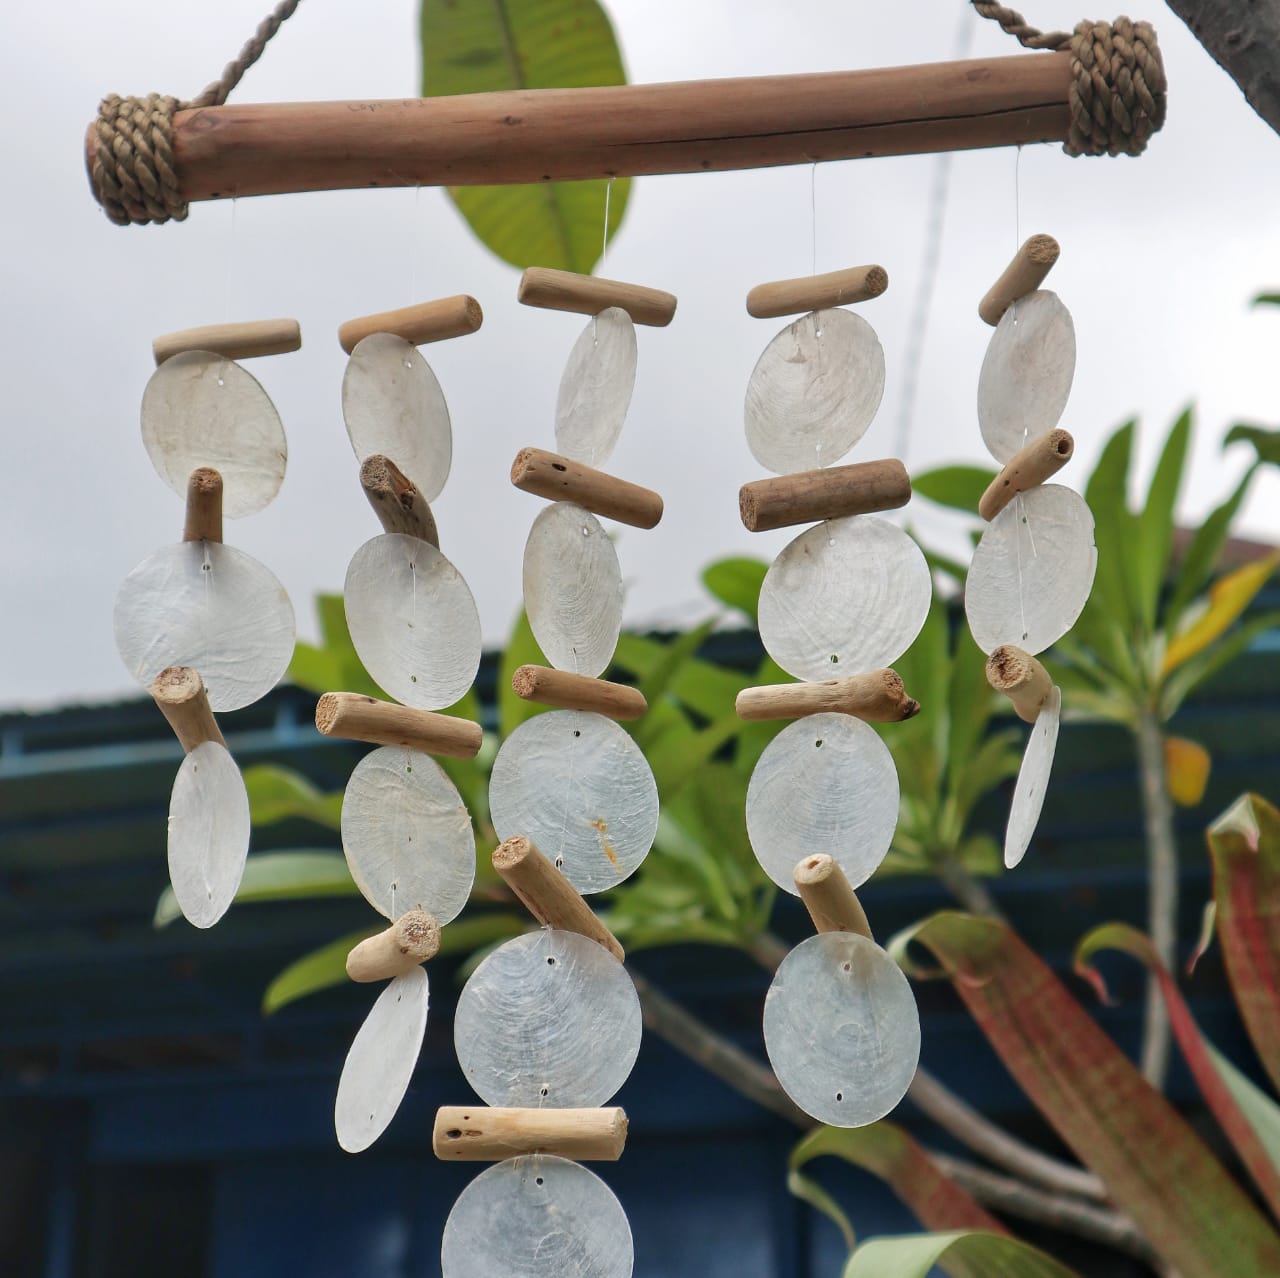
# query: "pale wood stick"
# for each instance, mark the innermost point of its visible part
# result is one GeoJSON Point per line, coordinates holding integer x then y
{"type": "Point", "coordinates": [832, 904]}
{"type": "Point", "coordinates": [1021, 678]}
{"type": "Point", "coordinates": [877, 696]}
{"type": "Point", "coordinates": [179, 692]}
{"type": "Point", "coordinates": [204, 506]}
{"type": "Point", "coordinates": [426, 322]}
{"type": "Point", "coordinates": [829, 493]}
{"type": "Point", "coordinates": [1031, 263]}
{"type": "Point", "coordinates": [547, 894]}
{"type": "Point", "coordinates": [817, 292]}
{"type": "Point", "coordinates": [577, 692]}
{"type": "Point", "coordinates": [558, 479]}
{"type": "Point", "coordinates": [470, 1133]}
{"type": "Point", "coordinates": [395, 499]}
{"type": "Point", "coordinates": [235, 341]}
{"type": "Point", "coordinates": [412, 939]}
{"type": "Point", "coordinates": [1028, 468]}
{"type": "Point", "coordinates": [355, 717]}
{"type": "Point", "coordinates": [589, 295]}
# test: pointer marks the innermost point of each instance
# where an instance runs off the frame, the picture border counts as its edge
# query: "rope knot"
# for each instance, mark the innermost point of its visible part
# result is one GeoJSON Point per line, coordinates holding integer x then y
{"type": "Point", "coordinates": [132, 169]}
{"type": "Point", "coordinates": [1118, 88]}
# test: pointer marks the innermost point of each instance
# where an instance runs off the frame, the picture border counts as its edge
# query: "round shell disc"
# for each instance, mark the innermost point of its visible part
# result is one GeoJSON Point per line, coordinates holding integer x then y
{"type": "Point", "coordinates": [814, 391]}
{"type": "Point", "coordinates": [1032, 571]}
{"type": "Point", "coordinates": [846, 596]}
{"type": "Point", "coordinates": [212, 607]}
{"type": "Point", "coordinates": [595, 388]}
{"type": "Point", "coordinates": [394, 406]}
{"type": "Point", "coordinates": [573, 589]}
{"type": "Point", "coordinates": [413, 621]}
{"type": "Point", "coordinates": [407, 835]}
{"type": "Point", "coordinates": [538, 1217]}
{"type": "Point", "coordinates": [549, 1019]}
{"type": "Point", "coordinates": [201, 409]}
{"type": "Point", "coordinates": [841, 1029]}
{"type": "Point", "coordinates": [578, 786]}
{"type": "Point", "coordinates": [1026, 375]}
{"type": "Point", "coordinates": [208, 833]}
{"type": "Point", "coordinates": [1033, 780]}
{"type": "Point", "coordinates": [825, 783]}
{"type": "Point", "coordinates": [380, 1063]}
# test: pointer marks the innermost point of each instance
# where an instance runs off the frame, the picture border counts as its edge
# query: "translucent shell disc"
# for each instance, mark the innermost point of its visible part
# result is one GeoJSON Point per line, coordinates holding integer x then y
{"type": "Point", "coordinates": [393, 405]}
{"type": "Point", "coordinates": [847, 595]}
{"type": "Point", "coordinates": [201, 409]}
{"type": "Point", "coordinates": [413, 621]}
{"type": "Point", "coordinates": [841, 1029]}
{"type": "Point", "coordinates": [825, 783]}
{"type": "Point", "coordinates": [595, 388]}
{"type": "Point", "coordinates": [537, 1217]}
{"type": "Point", "coordinates": [380, 1063]}
{"type": "Point", "coordinates": [577, 785]}
{"type": "Point", "coordinates": [208, 833]}
{"type": "Point", "coordinates": [548, 1019]}
{"type": "Point", "coordinates": [1032, 571]}
{"type": "Point", "coordinates": [1026, 375]}
{"type": "Point", "coordinates": [573, 589]}
{"type": "Point", "coordinates": [814, 391]}
{"type": "Point", "coordinates": [1033, 780]}
{"type": "Point", "coordinates": [407, 835]}
{"type": "Point", "coordinates": [209, 606]}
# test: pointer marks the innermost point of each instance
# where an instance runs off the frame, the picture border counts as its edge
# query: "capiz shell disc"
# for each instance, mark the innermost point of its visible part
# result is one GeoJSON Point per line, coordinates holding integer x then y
{"type": "Point", "coordinates": [1033, 780]}
{"type": "Point", "coordinates": [595, 389]}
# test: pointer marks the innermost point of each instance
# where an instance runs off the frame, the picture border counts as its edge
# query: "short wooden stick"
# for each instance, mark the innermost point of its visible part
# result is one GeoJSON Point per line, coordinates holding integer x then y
{"type": "Point", "coordinates": [355, 717]}
{"type": "Point", "coordinates": [473, 1133]}
{"type": "Point", "coordinates": [1028, 468]}
{"type": "Point", "coordinates": [878, 696]}
{"type": "Point", "coordinates": [395, 499]}
{"type": "Point", "coordinates": [1021, 678]}
{"type": "Point", "coordinates": [547, 894]}
{"type": "Point", "coordinates": [558, 479]}
{"type": "Point", "coordinates": [204, 506]}
{"type": "Point", "coordinates": [589, 295]}
{"type": "Point", "coordinates": [829, 493]}
{"type": "Point", "coordinates": [832, 904]}
{"type": "Point", "coordinates": [179, 692]}
{"type": "Point", "coordinates": [1031, 263]}
{"type": "Point", "coordinates": [426, 322]}
{"type": "Point", "coordinates": [234, 341]}
{"type": "Point", "coordinates": [412, 939]}
{"type": "Point", "coordinates": [817, 292]}
{"type": "Point", "coordinates": [577, 692]}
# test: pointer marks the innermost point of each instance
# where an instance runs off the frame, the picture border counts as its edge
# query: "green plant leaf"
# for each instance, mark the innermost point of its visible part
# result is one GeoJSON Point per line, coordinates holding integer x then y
{"type": "Point", "coordinates": [736, 583]}
{"type": "Point", "coordinates": [1154, 540]}
{"type": "Point", "coordinates": [960, 487]}
{"type": "Point", "coordinates": [1193, 672]}
{"type": "Point", "coordinates": [1260, 1111]}
{"type": "Point", "coordinates": [1229, 596]}
{"type": "Point", "coordinates": [809, 1191]}
{"type": "Point", "coordinates": [676, 655]}
{"type": "Point", "coordinates": [521, 650]}
{"type": "Point", "coordinates": [1266, 443]}
{"type": "Point", "coordinates": [1108, 498]}
{"type": "Point", "coordinates": [334, 666]}
{"type": "Point", "coordinates": [278, 794]}
{"type": "Point", "coordinates": [1266, 299]}
{"type": "Point", "coordinates": [961, 1255]}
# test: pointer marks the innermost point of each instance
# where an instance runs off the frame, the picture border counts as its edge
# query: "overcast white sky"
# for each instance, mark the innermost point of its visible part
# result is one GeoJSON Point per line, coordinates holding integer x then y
{"type": "Point", "coordinates": [1160, 258]}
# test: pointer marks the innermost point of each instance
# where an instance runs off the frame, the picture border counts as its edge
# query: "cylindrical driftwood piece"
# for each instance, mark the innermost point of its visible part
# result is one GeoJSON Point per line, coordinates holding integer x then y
{"type": "Point", "coordinates": [1028, 468]}
{"type": "Point", "coordinates": [829, 493]}
{"type": "Point", "coordinates": [547, 894]}
{"type": "Point", "coordinates": [877, 696]}
{"type": "Point", "coordinates": [1021, 678]}
{"type": "Point", "coordinates": [412, 939]}
{"type": "Point", "coordinates": [473, 1133]}
{"type": "Point", "coordinates": [832, 904]}
{"type": "Point", "coordinates": [554, 290]}
{"type": "Point", "coordinates": [355, 717]}
{"type": "Point", "coordinates": [395, 499]}
{"type": "Point", "coordinates": [817, 292]}
{"type": "Point", "coordinates": [235, 341]}
{"type": "Point", "coordinates": [179, 692]}
{"type": "Point", "coordinates": [558, 479]}
{"type": "Point", "coordinates": [204, 506]}
{"type": "Point", "coordinates": [568, 691]}
{"type": "Point", "coordinates": [1031, 263]}
{"type": "Point", "coordinates": [426, 322]}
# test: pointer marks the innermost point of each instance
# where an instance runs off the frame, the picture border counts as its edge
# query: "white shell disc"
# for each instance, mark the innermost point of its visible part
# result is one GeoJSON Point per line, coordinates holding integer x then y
{"type": "Point", "coordinates": [573, 589]}
{"type": "Point", "coordinates": [208, 833]}
{"type": "Point", "coordinates": [393, 405]}
{"type": "Point", "coordinates": [595, 388]}
{"type": "Point", "coordinates": [579, 787]}
{"type": "Point", "coordinates": [407, 835]}
{"type": "Point", "coordinates": [1032, 571]}
{"type": "Point", "coordinates": [825, 783]}
{"type": "Point", "coordinates": [380, 1063]}
{"type": "Point", "coordinates": [842, 1029]}
{"type": "Point", "coordinates": [549, 1019]}
{"type": "Point", "coordinates": [847, 595]}
{"type": "Point", "coordinates": [1033, 780]}
{"type": "Point", "coordinates": [413, 621]}
{"type": "Point", "coordinates": [537, 1217]}
{"type": "Point", "coordinates": [210, 606]}
{"type": "Point", "coordinates": [1027, 373]}
{"type": "Point", "coordinates": [202, 409]}
{"type": "Point", "coordinates": [814, 391]}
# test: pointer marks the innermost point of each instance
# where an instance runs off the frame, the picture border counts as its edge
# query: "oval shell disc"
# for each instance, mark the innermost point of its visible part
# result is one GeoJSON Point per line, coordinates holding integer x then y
{"type": "Point", "coordinates": [202, 409]}
{"type": "Point", "coordinates": [578, 786]}
{"type": "Point", "coordinates": [841, 1029]}
{"type": "Point", "coordinates": [1033, 780]}
{"type": "Point", "coordinates": [1027, 373]}
{"type": "Point", "coordinates": [573, 589]}
{"type": "Point", "coordinates": [212, 607]}
{"type": "Point", "coordinates": [595, 388]}
{"type": "Point", "coordinates": [413, 621]}
{"type": "Point", "coordinates": [1032, 571]}
{"type": "Point", "coordinates": [380, 1063]}
{"type": "Point", "coordinates": [814, 391]}
{"type": "Point", "coordinates": [393, 406]}
{"type": "Point", "coordinates": [825, 783]}
{"type": "Point", "coordinates": [208, 833]}
{"type": "Point", "coordinates": [846, 596]}
{"type": "Point", "coordinates": [538, 1217]}
{"type": "Point", "coordinates": [548, 1019]}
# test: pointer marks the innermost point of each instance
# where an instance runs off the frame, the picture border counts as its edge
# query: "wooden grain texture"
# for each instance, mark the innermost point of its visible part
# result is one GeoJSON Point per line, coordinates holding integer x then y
{"type": "Point", "coordinates": [559, 479]}
{"type": "Point", "coordinates": [234, 341]}
{"type": "Point", "coordinates": [1028, 468]}
{"type": "Point", "coordinates": [554, 290]}
{"type": "Point", "coordinates": [179, 692]}
{"type": "Point", "coordinates": [828, 896]}
{"type": "Point", "coordinates": [476, 1133]}
{"type": "Point", "coordinates": [817, 292]}
{"type": "Point", "coordinates": [567, 691]}
{"type": "Point", "coordinates": [1024, 274]}
{"type": "Point", "coordinates": [1021, 678]}
{"type": "Point", "coordinates": [356, 717]}
{"type": "Point", "coordinates": [412, 939]}
{"type": "Point", "coordinates": [828, 493]}
{"type": "Point", "coordinates": [877, 696]}
{"type": "Point", "coordinates": [436, 321]}
{"type": "Point", "coordinates": [395, 499]}
{"type": "Point", "coordinates": [204, 506]}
